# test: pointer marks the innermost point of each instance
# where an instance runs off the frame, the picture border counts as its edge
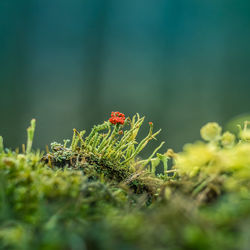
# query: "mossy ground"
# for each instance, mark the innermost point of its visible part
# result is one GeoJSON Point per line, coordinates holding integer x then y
{"type": "Point", "coordinates": [95, 193]}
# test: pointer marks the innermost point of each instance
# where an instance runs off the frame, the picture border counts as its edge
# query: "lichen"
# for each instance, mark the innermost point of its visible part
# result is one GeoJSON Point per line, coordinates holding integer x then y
{"type": "Point", "coordinates": [94, 193]}
{"type": "Point", "coordinates": [109, 151]}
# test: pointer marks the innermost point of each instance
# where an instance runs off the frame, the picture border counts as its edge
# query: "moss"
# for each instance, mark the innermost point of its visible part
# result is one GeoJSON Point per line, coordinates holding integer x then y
{"type": "Point", "coordinates": [96, 194]}
{"type": "Point", "coordinates": [110, 155]}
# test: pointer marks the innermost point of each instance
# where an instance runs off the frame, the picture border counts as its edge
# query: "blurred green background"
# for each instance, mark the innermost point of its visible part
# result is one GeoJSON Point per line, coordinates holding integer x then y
{"type": "Point", "coordinates": [181, 63]}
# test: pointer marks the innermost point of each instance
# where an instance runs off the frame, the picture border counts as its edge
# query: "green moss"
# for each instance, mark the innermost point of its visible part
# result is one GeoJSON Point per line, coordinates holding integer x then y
{"type": "Point", "coordinates": [96, 194]}
{"type": "Point", "coordinates": [108, 152]}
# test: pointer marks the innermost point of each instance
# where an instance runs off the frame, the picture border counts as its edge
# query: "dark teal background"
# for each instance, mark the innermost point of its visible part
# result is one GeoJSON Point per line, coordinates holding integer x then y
{"type": "Point", "coordinates": [181, 63]}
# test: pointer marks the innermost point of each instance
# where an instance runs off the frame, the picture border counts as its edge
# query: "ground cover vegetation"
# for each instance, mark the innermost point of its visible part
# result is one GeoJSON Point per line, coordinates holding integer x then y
{"type": "Point", "coordinates": [95, 192]}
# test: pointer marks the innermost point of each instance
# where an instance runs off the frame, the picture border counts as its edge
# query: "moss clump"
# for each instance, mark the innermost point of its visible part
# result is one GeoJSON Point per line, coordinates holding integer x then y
{"type": "Point", "coordinates": [109, 152]}
{"type": "Point", "coordinates": [83, 197]}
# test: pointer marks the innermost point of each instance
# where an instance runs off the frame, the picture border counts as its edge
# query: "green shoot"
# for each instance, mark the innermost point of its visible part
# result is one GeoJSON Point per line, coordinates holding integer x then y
{"type": "Point", "coordinates": [1, 144]}
{"type": "Point", "coordinates": [30, 135]}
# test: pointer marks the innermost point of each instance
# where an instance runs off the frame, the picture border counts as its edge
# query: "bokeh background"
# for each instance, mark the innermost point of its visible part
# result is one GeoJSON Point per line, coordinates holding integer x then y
{"type": "Point", "coordinates": [181, 63]}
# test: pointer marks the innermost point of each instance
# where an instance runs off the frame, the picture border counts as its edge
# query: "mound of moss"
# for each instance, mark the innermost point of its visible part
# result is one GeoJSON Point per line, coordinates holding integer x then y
{"type": "Point", "coordinates": [94, 193]}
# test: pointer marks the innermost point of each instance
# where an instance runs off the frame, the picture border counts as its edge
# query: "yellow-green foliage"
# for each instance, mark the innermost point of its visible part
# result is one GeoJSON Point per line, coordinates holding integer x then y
{"type": "Point", "coordinates": [110, 152]}
{"type": "Point", "coordinates": [45, 208]}
{"type": "Point", "coordinates": [114, 143]}
{"type": "Point", "coordinates": [221, 164]}
{"type": "Point", "coordinates": [95, 193]}
{"type": "Point", "coordinates": [26, 181]}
